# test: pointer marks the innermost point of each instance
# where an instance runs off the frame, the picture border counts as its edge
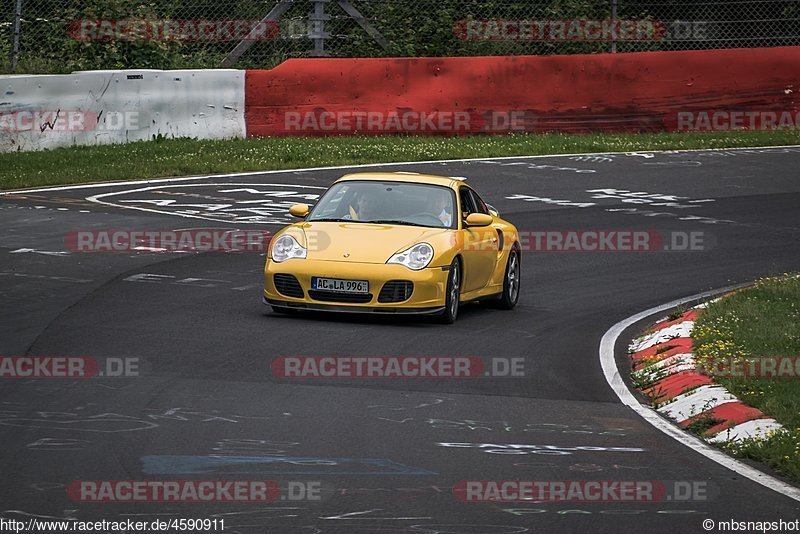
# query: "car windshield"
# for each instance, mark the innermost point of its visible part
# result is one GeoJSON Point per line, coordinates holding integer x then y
{"type": "Point", "coordinates": [387, 203]}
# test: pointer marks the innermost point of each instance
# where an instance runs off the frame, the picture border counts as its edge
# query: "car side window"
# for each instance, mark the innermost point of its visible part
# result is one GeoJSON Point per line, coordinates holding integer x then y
{"type": "Point", "coordinates": [467, 205]}
{"type": "Point", "coordinates": [335, 207]}
{"type": "Point", "coordinates": [480, 205]}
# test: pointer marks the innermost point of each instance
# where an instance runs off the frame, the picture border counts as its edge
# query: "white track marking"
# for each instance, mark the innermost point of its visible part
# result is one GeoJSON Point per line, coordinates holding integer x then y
{"type": "Point", "coordinates": [682, 329]}
{"type": "Point", "coordinates": [757, 428]}
{"type": "Point", "coordinates": [696, 401]}
{"type": "Point", "coordinates": [674, 363]}
{"type": "Point", "coordinates": [96, 199]}
{"type": "Point", "coordinates": [611, 373]}
{"type": "Point", "coordinates": [367, 165]}
{"type": "Point", "coordinates": [705, 304]}
{"type": "Point", "coordinates": [34, 251]}
{"type": "Point", "coordinates": [667, 367]}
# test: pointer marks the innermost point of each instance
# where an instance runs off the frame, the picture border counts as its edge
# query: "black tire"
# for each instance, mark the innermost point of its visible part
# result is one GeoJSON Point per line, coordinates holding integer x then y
{"type": "Point", "coordinates": [453, 294]}
{"type": "Point", "coordinates": [511, 282]}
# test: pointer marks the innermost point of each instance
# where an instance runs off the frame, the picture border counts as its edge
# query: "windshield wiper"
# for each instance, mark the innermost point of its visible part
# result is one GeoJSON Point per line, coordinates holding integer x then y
{"type": "Point", "coordinates": [394, 221]}
{"type": "Point", "coordinates": [372, 221]}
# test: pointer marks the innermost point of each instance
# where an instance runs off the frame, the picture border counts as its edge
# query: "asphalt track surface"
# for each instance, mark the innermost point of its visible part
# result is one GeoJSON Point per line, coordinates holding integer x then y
{"type": "Point", "coordinates": [205, 341]}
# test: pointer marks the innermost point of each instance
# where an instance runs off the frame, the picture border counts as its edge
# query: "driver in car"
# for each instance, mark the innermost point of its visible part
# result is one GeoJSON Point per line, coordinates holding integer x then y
{"type": "Point", "coordinates": [363, 208]}
{"type": "Point", "coordinates": [439, 208]}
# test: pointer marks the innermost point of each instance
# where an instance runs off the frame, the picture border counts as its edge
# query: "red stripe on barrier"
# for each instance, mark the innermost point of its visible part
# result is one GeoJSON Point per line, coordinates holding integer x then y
{"type": "Point", "coordinates": [578, 93]}
{"type": "Point", "coordinates": [676, 384]}
{"type": "Point", "coordinates": [730, 413]}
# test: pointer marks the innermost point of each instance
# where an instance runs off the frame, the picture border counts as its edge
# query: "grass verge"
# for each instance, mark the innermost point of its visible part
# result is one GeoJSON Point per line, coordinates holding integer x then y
{"type": "Point", "coordinates": [186, 157]}
{"type": "Point", "coordinates": [763, 320]}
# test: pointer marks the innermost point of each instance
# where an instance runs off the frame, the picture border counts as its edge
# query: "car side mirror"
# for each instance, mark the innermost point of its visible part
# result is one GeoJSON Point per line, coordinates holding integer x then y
{"type": "Point", "coordinates": [479, 219]}
{"type": "Point", "coordinates": [299, 210]}
{"type": "Point", "coordinates": [493, 210]}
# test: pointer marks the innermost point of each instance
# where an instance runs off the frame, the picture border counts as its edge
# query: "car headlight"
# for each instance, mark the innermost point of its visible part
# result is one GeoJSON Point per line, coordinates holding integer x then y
{"type": "Point", "coordinates": [286, 247]}
{"type": "Point", "coordinates": [415, 258]}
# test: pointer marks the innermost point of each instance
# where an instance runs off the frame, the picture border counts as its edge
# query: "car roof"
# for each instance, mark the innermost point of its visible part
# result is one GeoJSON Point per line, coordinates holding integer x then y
{"type": "Point", "coordinates": [411, 177]}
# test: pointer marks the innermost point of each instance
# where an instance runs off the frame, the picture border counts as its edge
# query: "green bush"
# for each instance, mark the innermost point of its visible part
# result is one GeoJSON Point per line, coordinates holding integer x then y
{"type": "Point", "coordinates": [413, 28]}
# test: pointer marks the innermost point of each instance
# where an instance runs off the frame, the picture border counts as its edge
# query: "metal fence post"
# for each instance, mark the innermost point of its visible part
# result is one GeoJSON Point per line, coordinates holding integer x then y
{"type": "Point", "coordinates": [318, 18]}
{"type": "Point", "coordinates": [613, 44]}
{"type": "Point", "coordinates": [244, 45]}
{"type": "Point", "coordinates": [17, 29]}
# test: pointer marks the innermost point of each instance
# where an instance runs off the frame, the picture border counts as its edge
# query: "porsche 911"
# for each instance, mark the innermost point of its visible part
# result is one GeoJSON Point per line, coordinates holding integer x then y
{"type": "Point", "coordinates": [394, 243]}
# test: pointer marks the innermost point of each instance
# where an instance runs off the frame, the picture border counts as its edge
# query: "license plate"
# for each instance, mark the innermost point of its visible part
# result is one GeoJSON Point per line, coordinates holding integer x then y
{"type": "Point", "coordinates": [339, 285]}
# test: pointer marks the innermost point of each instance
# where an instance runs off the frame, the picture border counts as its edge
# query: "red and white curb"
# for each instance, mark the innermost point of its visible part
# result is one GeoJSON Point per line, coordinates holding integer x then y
{"type": "Point", "coordinates": [663, 363]}
{"type": "Point", "coordinates": [607, 354]}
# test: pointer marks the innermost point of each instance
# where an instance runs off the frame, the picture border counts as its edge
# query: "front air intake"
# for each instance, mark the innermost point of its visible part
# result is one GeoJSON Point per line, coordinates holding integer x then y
{"type": "Point", "coordinates": [287, 285]}
{"type": "Point", "coordinates": [396, 291]}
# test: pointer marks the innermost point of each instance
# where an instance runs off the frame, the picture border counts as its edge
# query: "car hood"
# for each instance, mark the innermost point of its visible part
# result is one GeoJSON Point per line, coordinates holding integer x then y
{"type": "Point", "coordinates": [364, 242]}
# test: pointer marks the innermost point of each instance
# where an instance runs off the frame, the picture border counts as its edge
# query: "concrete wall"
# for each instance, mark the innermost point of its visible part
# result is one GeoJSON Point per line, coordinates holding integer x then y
{"type": "Point", "coordinates": [100, 107]}
{"type": "Point", "coordinates": [648, 91]}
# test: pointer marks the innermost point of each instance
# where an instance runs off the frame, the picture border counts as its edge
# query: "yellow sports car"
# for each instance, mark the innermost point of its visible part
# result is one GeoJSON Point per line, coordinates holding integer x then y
{"type": "Point", "coordinates": [401, 243]}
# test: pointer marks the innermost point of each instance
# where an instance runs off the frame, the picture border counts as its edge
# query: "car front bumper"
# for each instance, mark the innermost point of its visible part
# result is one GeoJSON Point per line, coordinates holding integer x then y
{"type": "Point", "coordinates": [427, 296]}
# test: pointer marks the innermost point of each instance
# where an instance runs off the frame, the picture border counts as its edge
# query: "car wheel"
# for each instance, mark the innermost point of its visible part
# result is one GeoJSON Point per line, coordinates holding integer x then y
{"type": "Point", "coordinates": [511, 282]}
{"type": "Point", "coordinates": [453, 294]}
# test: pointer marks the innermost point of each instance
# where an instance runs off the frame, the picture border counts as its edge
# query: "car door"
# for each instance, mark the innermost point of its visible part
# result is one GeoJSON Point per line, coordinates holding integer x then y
{"type": "Point", "coordinates": [480, 243]}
